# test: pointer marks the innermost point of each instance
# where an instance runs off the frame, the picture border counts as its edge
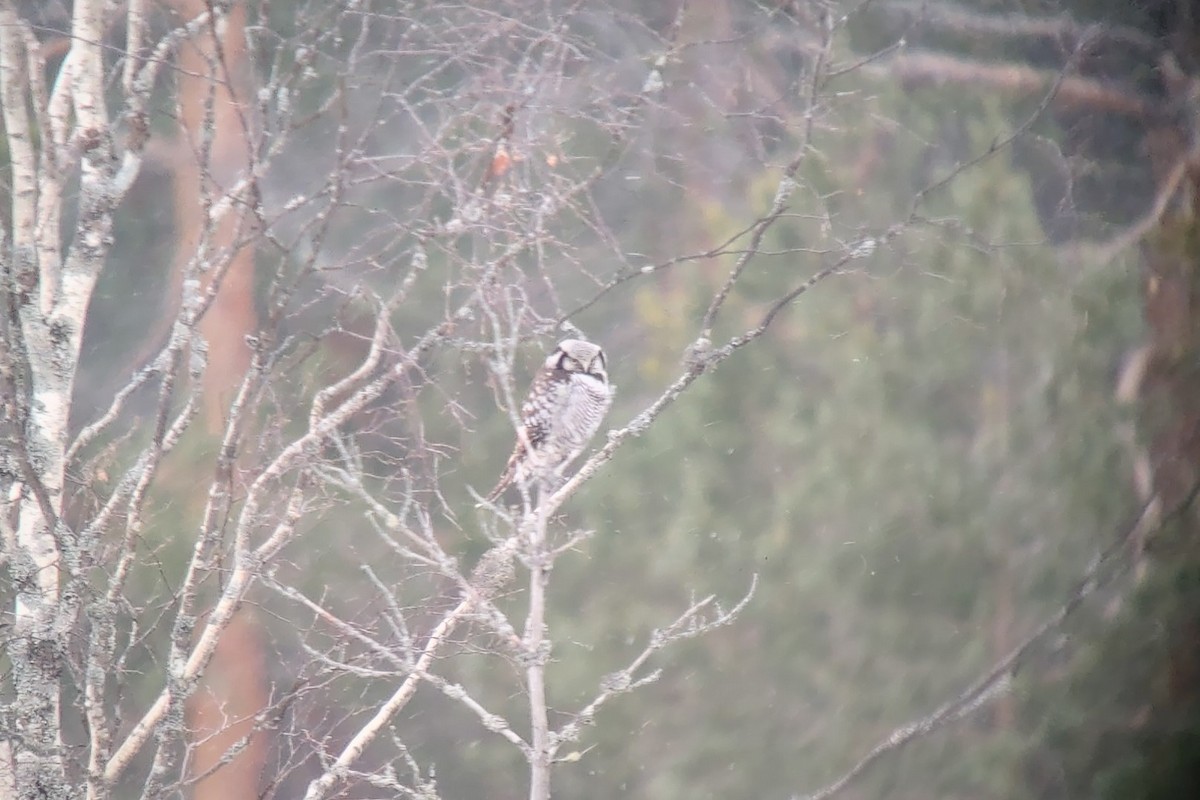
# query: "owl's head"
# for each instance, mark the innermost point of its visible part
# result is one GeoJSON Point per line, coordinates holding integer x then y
{"type": "Point", "coordinates": [576, 355]}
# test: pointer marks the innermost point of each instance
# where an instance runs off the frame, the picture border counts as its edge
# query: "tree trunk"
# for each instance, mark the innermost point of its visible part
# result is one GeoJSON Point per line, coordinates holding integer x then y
{"type": "Point", "coordinates": [46, 300]}
{"type": "Point", "coordinates": [216, 152]}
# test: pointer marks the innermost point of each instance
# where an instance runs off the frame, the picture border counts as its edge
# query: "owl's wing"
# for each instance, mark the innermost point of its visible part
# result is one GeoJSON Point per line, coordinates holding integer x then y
{"type": "Point", "coordinates": [540, 414]}
{"type": "Point", "coordinates": [542, 411]}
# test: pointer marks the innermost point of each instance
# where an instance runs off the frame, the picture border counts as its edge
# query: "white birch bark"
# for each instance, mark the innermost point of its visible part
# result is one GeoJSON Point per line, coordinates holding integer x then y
{"type": "Point", "coordinates": [37, 760]}
{"type": "Point", "coordinates": [47, 291]}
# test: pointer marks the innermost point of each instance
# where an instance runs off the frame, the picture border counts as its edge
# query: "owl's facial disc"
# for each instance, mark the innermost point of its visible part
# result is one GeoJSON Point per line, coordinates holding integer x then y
{"type": "Point", "coordinates": [576, 355]}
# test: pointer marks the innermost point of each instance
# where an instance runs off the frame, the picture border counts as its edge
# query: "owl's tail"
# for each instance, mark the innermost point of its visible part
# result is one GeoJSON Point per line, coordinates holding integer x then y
{"type": "Point", "coordinates": [510, 473]}
{"type": "Point", "coordinates": [499, 488]}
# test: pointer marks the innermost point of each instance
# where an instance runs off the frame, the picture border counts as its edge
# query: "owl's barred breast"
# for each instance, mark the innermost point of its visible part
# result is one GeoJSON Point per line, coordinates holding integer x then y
{"type": "Point", "coordinates": [563, 416]}
{"type": "Point", "coordinates": [587, 405]}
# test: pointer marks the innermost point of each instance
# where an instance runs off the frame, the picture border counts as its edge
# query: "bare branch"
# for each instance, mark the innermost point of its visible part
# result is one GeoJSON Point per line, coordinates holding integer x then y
{"type": "Point", "coordinates": [700, 358]}
{"type": "Point", "coordinates": [787, 186]}
{"type": "Point", "coordinates": [690, 623]}
{"type": "Point", "coordinates": [997, 680]}
{"type": "Point", "coordinates": [339, 769]}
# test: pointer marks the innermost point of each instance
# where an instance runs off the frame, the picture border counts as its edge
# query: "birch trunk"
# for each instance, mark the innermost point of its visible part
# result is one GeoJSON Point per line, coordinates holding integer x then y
{"type": "Point", "coordinates": [46, 293]}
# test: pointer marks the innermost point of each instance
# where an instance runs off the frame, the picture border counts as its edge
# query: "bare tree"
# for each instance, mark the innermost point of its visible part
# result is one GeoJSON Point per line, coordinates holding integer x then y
{"type": "Point", "coordinates": [463, 119]}
{"type": "Point", "coordinates": [384, 208]}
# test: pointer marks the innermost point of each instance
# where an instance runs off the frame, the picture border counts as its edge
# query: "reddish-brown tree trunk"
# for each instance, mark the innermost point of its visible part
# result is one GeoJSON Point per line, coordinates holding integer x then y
{"type": "Point", "coordinates": [212, 78]}
{"type": "Point", "coordinates": [221, 714]}
{"type": "Point", "coordinates": [216, 131]}
{"type": "Point", "coordinates": [1170, 389]}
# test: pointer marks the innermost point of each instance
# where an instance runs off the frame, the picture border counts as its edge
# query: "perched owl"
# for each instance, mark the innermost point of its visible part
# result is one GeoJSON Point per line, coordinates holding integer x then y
{"type": "Point", "coordinates": [567, 401]}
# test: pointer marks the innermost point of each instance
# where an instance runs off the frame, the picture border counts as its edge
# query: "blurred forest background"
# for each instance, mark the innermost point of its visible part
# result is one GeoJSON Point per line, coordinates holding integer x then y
{"type": "Point", "coordinates": [921, 461]}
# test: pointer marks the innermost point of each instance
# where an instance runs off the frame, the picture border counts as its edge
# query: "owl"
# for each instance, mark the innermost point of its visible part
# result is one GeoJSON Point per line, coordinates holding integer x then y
{"type": "Point", "coordinates": [567, 401]}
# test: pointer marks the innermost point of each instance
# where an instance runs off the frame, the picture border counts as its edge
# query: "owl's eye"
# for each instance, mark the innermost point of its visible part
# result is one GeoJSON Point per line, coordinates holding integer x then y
{"type": "Point", "coordinates": [569, 364]}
